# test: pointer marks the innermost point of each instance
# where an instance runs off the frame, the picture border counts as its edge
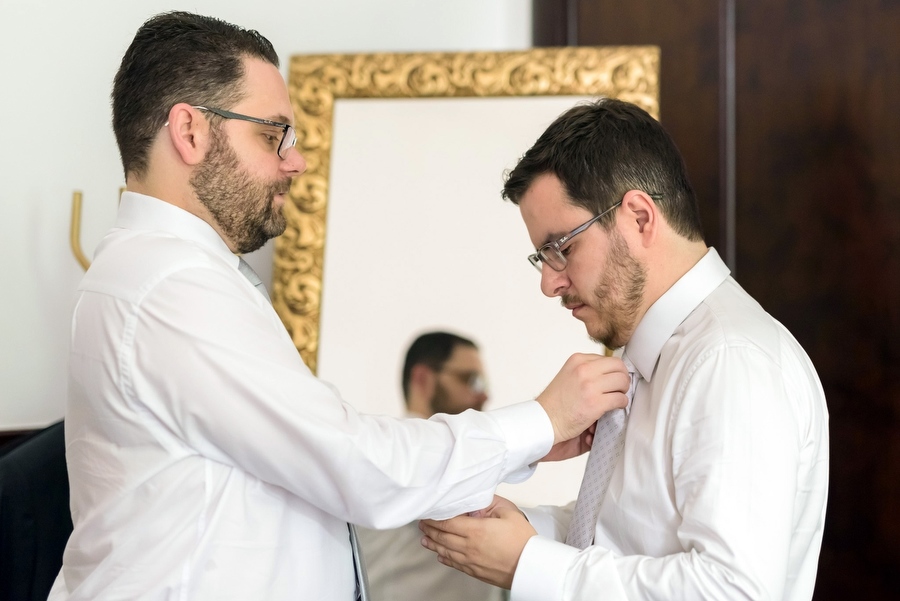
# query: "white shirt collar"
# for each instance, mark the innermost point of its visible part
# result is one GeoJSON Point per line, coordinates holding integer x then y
{"type": "Point", "coordinates": [672, 308]}
{"type": "Point", "coordinates": [142, 212]}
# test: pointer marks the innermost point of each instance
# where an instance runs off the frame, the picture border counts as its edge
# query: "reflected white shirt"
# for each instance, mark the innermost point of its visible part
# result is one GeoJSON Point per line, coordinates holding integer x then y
{"type": "Point", "coordinates": [207, 462]}
{"type": "Point", "coordinates": [721, 490]}
{"type": "Point", "coordinates": [401, 569]}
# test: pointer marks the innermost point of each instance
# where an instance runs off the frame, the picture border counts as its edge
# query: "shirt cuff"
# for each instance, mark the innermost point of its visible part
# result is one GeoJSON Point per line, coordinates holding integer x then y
{"type": "Point", "coordinates": [548, 521]}
{"type": "Point", "coordinates": [528, 433]}
{"type": "Point", "coordinates": [542, 569]}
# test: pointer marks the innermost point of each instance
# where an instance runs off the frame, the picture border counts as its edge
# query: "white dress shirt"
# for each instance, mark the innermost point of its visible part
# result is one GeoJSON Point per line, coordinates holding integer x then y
{"type": "Point", "coordinates": [206, 462]}
{"type": "Point", "coordinates": [721, 489]}
{"type": "Point", "coordinates": [401, 569]}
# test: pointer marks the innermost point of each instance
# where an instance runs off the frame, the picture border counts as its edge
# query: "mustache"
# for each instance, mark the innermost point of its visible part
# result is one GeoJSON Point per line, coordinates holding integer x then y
{"type": "Point", "coordinates": [570, 299]}
{"type": "Point", "coordinates": [279, 187]}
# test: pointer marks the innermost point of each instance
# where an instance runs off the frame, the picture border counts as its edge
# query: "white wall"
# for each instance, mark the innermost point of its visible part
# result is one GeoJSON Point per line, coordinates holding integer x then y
{"type": "Point", "coordinates": [57, 61]}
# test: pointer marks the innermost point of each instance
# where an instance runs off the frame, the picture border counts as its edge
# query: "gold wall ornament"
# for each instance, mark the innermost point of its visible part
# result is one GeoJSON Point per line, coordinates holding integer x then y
{"type": "Point", "coordinates": [315, 82]}
{"type": "Point", "coordinates": [75, 231]}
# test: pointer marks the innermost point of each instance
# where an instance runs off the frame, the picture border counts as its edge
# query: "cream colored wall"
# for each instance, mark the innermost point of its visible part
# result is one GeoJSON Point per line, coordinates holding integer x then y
{"type": "Point", "coordinates": [57, 61]}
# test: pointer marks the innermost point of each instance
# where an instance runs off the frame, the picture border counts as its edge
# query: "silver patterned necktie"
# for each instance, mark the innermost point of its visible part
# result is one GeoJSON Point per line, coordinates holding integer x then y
{"type": "Point", "coordinates": [359, 567]}
{"type": "Point", "coordinates": [609, 438]}
{"type": "Point", "coordinates": [248, 272]}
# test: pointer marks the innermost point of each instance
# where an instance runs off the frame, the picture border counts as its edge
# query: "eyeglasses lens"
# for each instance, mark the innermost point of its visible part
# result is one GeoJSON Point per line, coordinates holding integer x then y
{"type": "Point", "coordinates": [551, 257]}
{"type": "Point", "coordinates": [287, 142]}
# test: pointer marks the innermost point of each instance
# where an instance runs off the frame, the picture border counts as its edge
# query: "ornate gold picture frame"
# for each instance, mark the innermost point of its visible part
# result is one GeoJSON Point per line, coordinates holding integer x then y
{"type": "Point", "coordinates": [315, 82]}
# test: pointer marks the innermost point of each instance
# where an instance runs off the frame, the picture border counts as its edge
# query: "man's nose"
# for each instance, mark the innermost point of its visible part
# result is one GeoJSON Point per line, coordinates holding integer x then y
{"type": "Point", "coordinates": [553, 283]}
{"type": "Point", "coordinates": [293, 162]}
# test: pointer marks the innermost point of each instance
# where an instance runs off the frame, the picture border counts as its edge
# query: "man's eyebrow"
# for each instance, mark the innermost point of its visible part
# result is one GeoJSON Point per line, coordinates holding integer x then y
{"type": "Point", "coordinates": [277, 118]}
{"type": "Point", "coordinates": [552, 237]}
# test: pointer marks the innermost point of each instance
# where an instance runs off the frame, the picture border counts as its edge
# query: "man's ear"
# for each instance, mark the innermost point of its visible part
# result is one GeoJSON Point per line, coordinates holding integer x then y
{"type": "Point", "coordinates": [422, 379]}
{"type": "Point", "coordinates": [188, 132]}
{"type": "Point", "coordinates": [642, 216]}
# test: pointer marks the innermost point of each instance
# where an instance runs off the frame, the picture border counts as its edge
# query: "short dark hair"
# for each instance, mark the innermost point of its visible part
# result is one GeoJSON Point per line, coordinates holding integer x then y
{"type": "Point", "coordinates": [177, 57]}
{"type": "Point", "coordinates": [431, 349]}
{"type": "Point", "coordinates": [601, 150]}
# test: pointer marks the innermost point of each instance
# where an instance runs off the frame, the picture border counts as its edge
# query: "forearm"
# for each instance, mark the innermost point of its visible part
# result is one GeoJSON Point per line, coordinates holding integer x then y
{"type": "Point", "coordinates": [246, 399]}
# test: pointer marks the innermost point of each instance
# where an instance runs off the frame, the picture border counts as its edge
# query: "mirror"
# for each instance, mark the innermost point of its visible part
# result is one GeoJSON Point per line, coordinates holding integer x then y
{"type": "Point", "coordinates": [406, 155]}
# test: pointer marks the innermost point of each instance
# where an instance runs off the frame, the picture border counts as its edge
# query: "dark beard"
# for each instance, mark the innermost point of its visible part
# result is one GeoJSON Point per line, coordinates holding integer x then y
{"type": "Point", "coordinates": [244, 208]}
{"type": "Point", "coordinates": [440, 402]}
{"type": "Point", "coordinates": [623, 281]}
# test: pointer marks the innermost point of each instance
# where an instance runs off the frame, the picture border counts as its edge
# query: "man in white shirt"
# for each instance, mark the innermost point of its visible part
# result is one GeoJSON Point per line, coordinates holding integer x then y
{"type": "Point", "coordinates": [205, 460]}
{"type": "Point", "coordinates": [442, 373]}
{"type": "Point", "coordinates": [719, 491]}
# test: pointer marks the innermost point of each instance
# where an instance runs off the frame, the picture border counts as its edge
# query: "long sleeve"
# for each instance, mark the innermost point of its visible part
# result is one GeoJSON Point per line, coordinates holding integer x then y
{"type": "Point", "coordinates": [243, 398]}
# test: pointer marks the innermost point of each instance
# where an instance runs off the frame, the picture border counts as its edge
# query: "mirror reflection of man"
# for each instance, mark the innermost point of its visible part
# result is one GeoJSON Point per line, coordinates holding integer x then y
{"type": "Point", "coordinates": [442, 373]}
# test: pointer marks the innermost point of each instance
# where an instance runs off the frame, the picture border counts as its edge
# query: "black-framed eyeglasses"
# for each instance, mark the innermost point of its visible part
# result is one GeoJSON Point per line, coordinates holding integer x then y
{"type": "Point", "coordinates": [288, 134]}
{"type": "Point", "coordinates": [551, 253]}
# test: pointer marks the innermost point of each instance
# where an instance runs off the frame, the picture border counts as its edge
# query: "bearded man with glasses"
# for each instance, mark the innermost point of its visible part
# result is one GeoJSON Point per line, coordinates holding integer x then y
{"type": "Point", "coordinates": [717, 484]}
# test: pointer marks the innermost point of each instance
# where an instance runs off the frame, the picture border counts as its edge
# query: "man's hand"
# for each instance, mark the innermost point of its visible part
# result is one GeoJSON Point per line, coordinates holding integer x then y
{"type": "Point", "coordinates": [485, 544]}
{"type": "Point", "coordinates": [572, 448]}
{"type": "Point", "coordinates": [585, 388]}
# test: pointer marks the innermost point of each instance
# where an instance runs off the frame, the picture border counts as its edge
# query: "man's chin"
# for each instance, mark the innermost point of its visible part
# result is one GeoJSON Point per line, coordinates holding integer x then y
{"type": "Point", "coordinates": [263, 235]}
{"type": "Point", "coordinates": [590, 325]}
{"type": "Point", "coordinates": [276, 224]}
{"type": "Point", "coordinates": [600, 336]}
{"type": "Point", "coordinates": [278, 229]}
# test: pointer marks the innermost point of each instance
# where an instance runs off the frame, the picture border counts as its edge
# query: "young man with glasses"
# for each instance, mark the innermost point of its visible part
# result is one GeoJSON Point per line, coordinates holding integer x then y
{"type": "Point", "coordinates": [442, 373]}
{"type": "Point", "coordinates": [718, 489]}
{"type": "Point", "coordinates": [205, 461]}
